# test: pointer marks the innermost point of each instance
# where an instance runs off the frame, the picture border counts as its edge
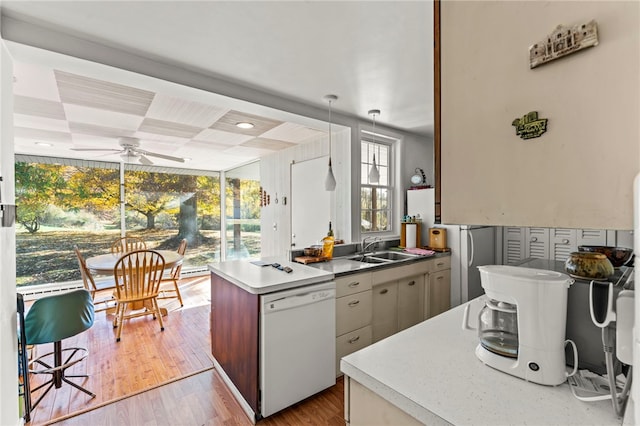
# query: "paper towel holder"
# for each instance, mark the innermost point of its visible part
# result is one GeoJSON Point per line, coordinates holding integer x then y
{"type": "Point", "coordinates": [403, 233]}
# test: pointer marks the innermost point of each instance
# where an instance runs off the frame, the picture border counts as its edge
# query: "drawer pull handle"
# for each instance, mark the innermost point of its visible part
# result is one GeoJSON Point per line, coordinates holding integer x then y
{"type": "Point", "coordinates": [440, 277]}
{"type": "Point", "coordinates": [412, 283]}
{"type": "Point", "coordinates": [440, 264]}
{"type": "Point", "coordinates": [565, 241]}
{"type": "Point", "coordinates": [534, 239]}
{"type": "Point", "coordinates": [354, 302]}
{"type": "Point", "coordinates": [354, 284]}
{"type": "Point", "coordinates": [384, 291]}
{"type": "Point", "coordinates": [354, 339]}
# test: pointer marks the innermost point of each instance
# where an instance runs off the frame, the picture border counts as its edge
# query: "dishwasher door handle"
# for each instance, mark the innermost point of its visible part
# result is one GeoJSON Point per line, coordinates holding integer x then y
{"type": "Point", "coordinates": [298, 300]}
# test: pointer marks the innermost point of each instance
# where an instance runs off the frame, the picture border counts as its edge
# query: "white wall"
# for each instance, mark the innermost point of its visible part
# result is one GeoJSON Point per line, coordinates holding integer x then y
{"type": "Point", "coordinates": [275, 177]}
{"type": "Point", "coordinates": [579, 174]}
{"type": "Point", "coordinates": [413, 151]}
{"type": "Point", "coordinates": [8, 344]}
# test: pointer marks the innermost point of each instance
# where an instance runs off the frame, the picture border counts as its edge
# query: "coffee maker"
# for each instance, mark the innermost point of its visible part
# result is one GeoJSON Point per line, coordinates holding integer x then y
{"type": "Point", "coordinates": [522, 325]}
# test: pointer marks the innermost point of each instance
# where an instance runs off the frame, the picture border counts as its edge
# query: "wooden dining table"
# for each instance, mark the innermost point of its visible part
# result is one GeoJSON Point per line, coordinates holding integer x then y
{"type": "Point", "coordinates": [103, 264]}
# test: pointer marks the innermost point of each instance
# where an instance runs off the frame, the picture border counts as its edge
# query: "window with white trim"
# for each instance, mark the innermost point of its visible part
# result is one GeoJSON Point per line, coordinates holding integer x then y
{"type": "Point", "coordinates": [376, 199]}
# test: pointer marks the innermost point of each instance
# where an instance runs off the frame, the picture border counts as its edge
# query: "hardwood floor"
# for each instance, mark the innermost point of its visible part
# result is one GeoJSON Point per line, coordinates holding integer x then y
{"type": "Point", "coordinates": [203, 399]}
{"type": "Point", "coordinates": [141, 379]}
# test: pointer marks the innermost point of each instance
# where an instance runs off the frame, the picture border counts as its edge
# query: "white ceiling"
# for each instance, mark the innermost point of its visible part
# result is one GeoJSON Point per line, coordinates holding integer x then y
{"type": "Point", "coordinates": [371, 54]}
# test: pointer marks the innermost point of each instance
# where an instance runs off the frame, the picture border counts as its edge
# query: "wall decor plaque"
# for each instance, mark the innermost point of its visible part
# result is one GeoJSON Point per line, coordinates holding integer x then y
{"type": "Point", "coordinates": [530, 126]}
{"type": "Point", "coordinates": [563, 41]}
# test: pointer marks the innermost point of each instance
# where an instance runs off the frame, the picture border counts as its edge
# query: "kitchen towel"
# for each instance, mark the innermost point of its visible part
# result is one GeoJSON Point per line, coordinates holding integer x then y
{"type": "Point", "coordinates": [421, 252]}
{"type": "Point", "coordinates": [410, 233]}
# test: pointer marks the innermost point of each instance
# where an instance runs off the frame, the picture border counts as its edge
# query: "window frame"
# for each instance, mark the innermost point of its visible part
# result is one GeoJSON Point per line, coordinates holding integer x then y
{"type": "Point", "coordinates": [392, 143]}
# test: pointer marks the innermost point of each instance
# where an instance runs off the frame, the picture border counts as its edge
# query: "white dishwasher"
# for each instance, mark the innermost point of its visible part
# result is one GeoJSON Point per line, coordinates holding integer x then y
{"type": "Point", "coordinates": [297, 345]}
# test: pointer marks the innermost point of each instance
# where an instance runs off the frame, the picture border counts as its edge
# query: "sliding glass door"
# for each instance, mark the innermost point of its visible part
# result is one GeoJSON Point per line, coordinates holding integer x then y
{"type": "Point", "coordinates": [63, 203]}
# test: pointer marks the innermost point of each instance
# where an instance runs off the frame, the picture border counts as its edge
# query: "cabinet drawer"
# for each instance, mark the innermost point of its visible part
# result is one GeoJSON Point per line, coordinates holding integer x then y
{"type": "Point", "coordinates": [351, 342]}
{"type": "Point", "coordinates": [353, 312]}
{"type": "Point", "coordinates": [351, 284]}
{"type": "Point", "coordinates": [440, 264]}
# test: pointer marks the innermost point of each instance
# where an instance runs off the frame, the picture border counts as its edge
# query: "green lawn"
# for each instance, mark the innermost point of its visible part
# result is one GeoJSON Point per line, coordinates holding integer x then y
{"type": "Point", "coordinates": [46, 257]}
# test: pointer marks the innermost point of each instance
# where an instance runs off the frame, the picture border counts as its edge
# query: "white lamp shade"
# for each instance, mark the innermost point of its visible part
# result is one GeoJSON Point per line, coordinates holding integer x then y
{"type": "Point", "coordinates": [330, 180]}
{"type": "Point", "coordinates": [374, 174]}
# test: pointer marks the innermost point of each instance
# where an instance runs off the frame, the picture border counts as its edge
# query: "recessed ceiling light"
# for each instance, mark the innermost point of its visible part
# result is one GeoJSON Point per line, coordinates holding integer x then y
{"type": "Point", "coordinates": [44, 144]}
{"type": "Point", "coordinates": [245, 125]}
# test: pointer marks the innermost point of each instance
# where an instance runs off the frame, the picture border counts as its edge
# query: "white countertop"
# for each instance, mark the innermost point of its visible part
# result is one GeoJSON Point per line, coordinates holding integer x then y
{"type": "Point", "coordinates": [431, 369]}
{"type": "Point", "coordinates": [267, 279]}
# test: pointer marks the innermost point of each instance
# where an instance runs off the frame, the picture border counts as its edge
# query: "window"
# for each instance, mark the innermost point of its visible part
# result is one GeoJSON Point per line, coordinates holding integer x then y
{"type": "Point", "coordinates": [376, 199]}
{"type": "Point", "coordinates": [242, 211]}
{"type": "Point", "coordinates": [64, 202]}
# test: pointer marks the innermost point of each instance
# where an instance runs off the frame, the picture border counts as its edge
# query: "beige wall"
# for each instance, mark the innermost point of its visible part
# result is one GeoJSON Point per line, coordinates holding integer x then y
{"type": "Point", "coordinates": [580, 173]}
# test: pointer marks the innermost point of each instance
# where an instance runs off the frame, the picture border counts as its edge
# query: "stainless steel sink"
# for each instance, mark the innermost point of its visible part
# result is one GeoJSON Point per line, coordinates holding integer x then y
{"type": "Point", "coordinates": [382, 257]}
{"type": "Point", "coordinates": [392, 255]}
{"type": "Point", "coordinates": [369, 259]}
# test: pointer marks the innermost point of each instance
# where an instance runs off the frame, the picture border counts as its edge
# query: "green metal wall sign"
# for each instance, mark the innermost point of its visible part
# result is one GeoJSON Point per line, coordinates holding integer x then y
{"type": "Point", "coordinates": [530, 126]}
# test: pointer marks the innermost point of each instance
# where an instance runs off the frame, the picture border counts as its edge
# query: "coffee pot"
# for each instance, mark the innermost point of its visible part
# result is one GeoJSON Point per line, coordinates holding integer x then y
{"type": "Point", "coordinates": [521, 328]}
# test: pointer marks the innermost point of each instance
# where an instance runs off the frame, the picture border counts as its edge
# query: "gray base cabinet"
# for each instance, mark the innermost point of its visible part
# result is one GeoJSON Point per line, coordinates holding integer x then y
{"type": "Point", "coordinates": [374, 305]}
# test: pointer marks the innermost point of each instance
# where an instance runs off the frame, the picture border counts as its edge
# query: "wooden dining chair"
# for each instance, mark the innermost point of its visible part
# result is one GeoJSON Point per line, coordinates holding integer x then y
{"type": "Point", "coordinates": [138, 274]}
{"type": "Point", "coordinates": [128, 244]}
{"type": "Point", "coordinates": [173, 277]}
{"type": "Point", "coordinates": [94, 286]}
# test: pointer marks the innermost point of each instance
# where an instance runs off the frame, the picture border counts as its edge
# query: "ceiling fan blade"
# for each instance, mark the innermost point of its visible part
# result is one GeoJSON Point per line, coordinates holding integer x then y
{"type": "Point", "coordinates": [144, 160]}
{"type": "Point", "coordinates": [166, 157]}
{"type": "Point", "coordinates": [96, 149]}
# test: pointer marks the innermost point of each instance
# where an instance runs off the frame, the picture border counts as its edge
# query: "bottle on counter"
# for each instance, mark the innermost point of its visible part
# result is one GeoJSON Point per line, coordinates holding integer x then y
{"type": "Point", "coordinates": [327, 244]}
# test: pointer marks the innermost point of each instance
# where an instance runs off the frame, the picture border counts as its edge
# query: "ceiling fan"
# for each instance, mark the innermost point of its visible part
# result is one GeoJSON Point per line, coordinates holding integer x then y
{"type": "Point", "coordinates": [131, 151]}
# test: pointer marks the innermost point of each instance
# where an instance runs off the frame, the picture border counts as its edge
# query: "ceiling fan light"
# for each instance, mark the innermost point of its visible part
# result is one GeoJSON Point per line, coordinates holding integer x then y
{"type": "Point", "coordinates": [129, 156]}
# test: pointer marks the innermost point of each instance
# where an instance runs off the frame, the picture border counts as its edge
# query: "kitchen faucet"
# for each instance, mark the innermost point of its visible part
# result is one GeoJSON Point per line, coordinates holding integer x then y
{"type": "Point", "coordinates": [365, 245]}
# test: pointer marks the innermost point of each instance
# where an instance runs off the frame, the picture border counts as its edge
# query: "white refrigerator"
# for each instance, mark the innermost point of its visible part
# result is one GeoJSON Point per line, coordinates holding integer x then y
{"type": "Point", "coordinates": [471, 246]}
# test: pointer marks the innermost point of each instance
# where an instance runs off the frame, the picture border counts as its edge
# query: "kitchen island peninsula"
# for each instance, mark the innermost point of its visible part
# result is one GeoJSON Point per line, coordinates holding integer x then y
{"type": "Point", "coordinates": [272, 332]}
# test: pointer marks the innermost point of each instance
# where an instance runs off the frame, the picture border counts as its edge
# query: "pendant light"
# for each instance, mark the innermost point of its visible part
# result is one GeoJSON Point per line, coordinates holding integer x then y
{"type": "Point", "coordinates": [330, 180]}
{"type": "Point", "coordinates": [374, 173]}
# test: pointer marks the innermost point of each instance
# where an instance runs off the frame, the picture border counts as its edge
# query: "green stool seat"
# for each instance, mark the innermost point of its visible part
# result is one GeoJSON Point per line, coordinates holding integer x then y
{"type": "Point", "coordinates": [51, 320]}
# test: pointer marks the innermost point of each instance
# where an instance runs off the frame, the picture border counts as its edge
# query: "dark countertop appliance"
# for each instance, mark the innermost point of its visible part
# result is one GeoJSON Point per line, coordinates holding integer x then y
{"type": "Point", "coordinates": [580, 328]}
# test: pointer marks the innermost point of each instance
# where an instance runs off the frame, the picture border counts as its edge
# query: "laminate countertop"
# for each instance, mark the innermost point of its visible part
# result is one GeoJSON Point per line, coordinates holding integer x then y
{"type": "Point", "coordinates": [431, 372]}
{"type": "Point", "coordinates": [267, 279]}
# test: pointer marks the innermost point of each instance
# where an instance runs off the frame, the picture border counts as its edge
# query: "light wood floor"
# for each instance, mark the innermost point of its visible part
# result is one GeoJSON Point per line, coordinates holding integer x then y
{"type": "Point", "coordinates": [203, 399]}
{"type": "Point", "coordinates": [140, 380]}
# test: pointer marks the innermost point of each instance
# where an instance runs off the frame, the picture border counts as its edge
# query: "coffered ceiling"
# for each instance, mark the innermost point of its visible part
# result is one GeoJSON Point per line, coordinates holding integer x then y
{"type": "Point", "coordinates": [371, 54]}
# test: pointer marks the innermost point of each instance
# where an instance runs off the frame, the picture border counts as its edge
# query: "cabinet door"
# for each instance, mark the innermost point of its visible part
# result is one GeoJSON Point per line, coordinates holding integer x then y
{"type": "Point", "coordinates": [437, 293]}
{"type": "Point", "coordinates": [385, 310]}
{"type": "Point", "coordinates": [537, 243]}
{"type": "Point", "coordinates": [563, 242]}
{"type": "Point", "coordinates": [410, 301]}
{"type": "Point", "coordinates": [513, 245]}
{"type": "Point", "coordinates": [591, 237]}
{"type": "Point", "coordinates": [351, 342]}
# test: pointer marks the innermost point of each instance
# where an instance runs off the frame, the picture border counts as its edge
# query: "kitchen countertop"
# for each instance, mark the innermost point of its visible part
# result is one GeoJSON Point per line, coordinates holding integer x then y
{"type": "Point", "coordinates": [343, 266]}
{"type": "Point", "coordinates": [267, 279]}
{"type": "Point", "coordinates": [431, 372]}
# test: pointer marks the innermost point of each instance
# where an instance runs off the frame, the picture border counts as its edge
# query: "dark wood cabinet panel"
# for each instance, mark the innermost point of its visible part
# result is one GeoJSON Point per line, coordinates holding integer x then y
{"type": "Point", "coordinates": [234, 336]}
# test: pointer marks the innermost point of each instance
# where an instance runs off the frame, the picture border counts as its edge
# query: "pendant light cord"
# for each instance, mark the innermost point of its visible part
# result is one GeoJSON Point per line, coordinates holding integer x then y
{"type": "Point", "coordinates": [330, 131]}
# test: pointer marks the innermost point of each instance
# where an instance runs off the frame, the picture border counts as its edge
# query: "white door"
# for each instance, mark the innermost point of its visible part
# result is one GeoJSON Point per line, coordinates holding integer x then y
{"type": "Point", "coordinates": [310, 202]}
